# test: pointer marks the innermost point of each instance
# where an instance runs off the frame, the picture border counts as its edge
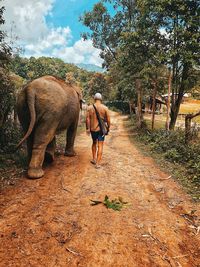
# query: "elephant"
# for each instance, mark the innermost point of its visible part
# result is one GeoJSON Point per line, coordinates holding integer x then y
{"type": "Point", "coordinates": [45, 107]}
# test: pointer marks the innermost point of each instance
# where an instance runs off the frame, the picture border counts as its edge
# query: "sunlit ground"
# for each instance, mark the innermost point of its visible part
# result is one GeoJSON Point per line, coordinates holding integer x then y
{"type": "Point", "coordinates": [190, 106]}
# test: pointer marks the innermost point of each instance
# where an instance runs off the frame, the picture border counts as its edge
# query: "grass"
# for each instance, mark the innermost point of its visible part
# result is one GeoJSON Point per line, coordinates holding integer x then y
{"type": "Point", "coordinates": [191, 106]}
{"type": "Point", "coordinates": [159, 123]}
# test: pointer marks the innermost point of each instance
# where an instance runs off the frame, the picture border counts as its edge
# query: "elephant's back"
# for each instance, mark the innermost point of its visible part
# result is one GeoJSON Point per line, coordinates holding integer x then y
{"type": "Point", "coordinates": [51, 90]}
{"type": "Point", "coordinates": [53, 98]}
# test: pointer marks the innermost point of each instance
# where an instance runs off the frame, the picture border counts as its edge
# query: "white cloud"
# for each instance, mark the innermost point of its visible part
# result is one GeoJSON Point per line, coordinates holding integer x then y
{"type": "Point", "coordinates": [56, 37]}
{"type": "Point", "coordinates": [81, 52]}
{"type": "Point", "coordinates": [95, 58]}
{"type": "Point", "coordinates": [28, 17]}
{"type": "Point", "coordinates": [40, 39]}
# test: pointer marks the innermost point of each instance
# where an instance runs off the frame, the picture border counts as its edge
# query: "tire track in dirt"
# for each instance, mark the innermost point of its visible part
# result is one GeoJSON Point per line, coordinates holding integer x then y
{"type": "Point", "coordinates": [49, 222]}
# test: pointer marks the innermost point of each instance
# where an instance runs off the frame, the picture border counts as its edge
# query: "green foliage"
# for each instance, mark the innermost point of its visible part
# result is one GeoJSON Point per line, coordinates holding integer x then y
{"type": "Point", "coordinates": [10, 135]}
{"type": "Point", "coordinates": [104, 30]}
{"type": "Point", "coordinates": [140, 38]}
{"type": "Point", "coordinates": [7, 98]}
{"type": "Point", "coordinates": [172, 146]}
{"type": "Point", "coordinates": [171, 154]}
{"type": "Point", "coordinates": [122, 106]}
{"type": "Point", "coordinates": [99, 84]}
{"type": "Point", "coordinates": [116, 204]}
{"type": "Point", "coordinates": [32, 68]}
{"type": "Point", "coordinates": [5, 50]}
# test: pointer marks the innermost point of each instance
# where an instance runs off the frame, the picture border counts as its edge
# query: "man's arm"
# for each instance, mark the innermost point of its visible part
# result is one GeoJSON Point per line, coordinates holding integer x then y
{"type": "Point", "coordinates": [88, 121]}
{"type": "Point", "coordinates": [108, 118]}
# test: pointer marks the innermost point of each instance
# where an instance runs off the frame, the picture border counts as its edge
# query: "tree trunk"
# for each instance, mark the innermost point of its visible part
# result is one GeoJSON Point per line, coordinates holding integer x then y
{"type": "Point", "coordinates": [139, 103]}
{"type": "Point", "coordinates": [176, 106]}
{"type": "Point", "coordinates": [187, 128]}
{"type": "Point", "coordinates": [168, 99]}
{"type": "Point", "coordinates": [175, 110]}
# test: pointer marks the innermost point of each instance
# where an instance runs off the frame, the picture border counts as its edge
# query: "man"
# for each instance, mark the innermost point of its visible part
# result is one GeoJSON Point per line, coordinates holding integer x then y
{"type": "Point", "coordinates": [92, 126]}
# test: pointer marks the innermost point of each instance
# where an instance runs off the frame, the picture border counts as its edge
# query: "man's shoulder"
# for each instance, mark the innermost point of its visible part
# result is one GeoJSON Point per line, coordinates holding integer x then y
{"type": "Point", "coordinates": [101, 106]}
{"type": "Point", "coordinates": [104, 107]}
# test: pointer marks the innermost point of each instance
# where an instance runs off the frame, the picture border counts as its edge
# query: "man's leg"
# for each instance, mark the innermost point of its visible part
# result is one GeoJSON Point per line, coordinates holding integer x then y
{"type": "Point", "coordinates": [94, 150]}
{"type": "Point", "coordinates": [99, 152]}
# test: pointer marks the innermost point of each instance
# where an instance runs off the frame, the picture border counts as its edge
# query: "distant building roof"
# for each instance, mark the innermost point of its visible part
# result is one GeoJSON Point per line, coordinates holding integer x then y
{"type": "Point", "coordinates": [185, 95]}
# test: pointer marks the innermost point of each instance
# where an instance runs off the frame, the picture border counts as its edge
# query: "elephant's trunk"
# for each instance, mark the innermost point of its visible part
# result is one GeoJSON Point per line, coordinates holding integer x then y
{"type": "Point", "coordinates": [31, 105]}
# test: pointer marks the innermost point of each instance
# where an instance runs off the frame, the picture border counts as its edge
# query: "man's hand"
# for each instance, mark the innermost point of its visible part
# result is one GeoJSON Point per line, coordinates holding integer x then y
{"type": "Point", "coordinates": [88, 131]}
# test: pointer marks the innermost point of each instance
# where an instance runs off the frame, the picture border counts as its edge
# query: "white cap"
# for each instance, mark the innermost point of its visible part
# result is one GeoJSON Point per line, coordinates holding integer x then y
{"type": "Point", "coordinates": [98, 96]}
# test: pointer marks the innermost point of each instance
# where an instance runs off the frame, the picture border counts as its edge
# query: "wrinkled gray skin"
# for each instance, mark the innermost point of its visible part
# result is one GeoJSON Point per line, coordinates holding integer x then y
{"type": "Point", "coordinates": [45, 107]}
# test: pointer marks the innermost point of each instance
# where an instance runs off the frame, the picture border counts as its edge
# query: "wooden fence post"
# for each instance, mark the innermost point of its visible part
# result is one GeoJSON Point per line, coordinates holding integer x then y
{"type": "Point", "coordinates": [188, 120]}
{"type": "Point", "coordinates": [154, 105]}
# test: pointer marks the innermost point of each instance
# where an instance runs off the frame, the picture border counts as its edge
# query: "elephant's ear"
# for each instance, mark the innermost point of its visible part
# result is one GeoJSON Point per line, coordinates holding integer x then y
{"type": "Point", "coordinates": [80, 95]}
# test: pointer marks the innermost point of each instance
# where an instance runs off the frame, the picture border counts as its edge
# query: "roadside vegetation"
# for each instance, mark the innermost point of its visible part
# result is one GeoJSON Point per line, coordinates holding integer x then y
{"type": "Point", "coordinates": [171, 153]}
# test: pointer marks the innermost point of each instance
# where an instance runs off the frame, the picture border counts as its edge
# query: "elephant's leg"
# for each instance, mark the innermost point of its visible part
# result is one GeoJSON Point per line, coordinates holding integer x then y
{"type": "Point", "coordinates": [50, 151]}
{"type": "Point", "coordinates": [71, 134]}
{"type": "Point", "coordinates": [42, 137]}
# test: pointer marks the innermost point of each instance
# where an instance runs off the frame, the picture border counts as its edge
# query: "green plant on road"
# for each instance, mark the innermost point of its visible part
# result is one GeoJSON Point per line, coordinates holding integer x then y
{"type": "Point", "coordinates": [116, 204]}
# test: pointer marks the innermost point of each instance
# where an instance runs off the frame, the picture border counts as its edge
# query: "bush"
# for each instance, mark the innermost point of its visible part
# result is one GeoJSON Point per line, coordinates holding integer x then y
{"type": "Point", "coordinates": [172, 146]}
{"type": "Point", "coordinates": [7, 96]}
{"type": "Point", "coordinates": [9, 133]}
{"type": "Point", "coordinates": [123, 106]}
{"type": "Point", "coordinates": [9, 136]}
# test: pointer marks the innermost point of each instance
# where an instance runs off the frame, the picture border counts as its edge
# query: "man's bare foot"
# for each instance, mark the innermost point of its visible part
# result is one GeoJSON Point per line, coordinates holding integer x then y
{"type": "Point", "coordinates": [93, 161]}
{"type": "Point", "coordinates": [97, 166]}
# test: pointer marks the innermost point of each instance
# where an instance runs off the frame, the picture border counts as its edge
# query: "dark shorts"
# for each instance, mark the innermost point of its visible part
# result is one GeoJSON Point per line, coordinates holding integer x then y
{"type": "Point", "coordinates": [97, 136]}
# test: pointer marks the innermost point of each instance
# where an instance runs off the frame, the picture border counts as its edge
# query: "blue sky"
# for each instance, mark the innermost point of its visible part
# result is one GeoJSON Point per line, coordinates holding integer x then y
{"type": "Point", "coordinates": [67, 13]}
{"type": "Point", "coordinates": [51, 28]}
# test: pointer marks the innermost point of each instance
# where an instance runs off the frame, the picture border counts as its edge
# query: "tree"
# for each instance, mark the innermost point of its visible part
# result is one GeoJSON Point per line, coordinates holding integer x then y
{"type": "Point", "coordinates": [149, 33]}
{"type": "Point", "coordinates": [99, 84]}
{"type": "Point", "coordinates": [70, 79]}
{"type": "Point", "coordinates": [17, 84]}
{"type": "Point", "coordinates": [179, 25]}
{"type": "Point", "coordinates": [106, 29]}
{"type": "Point", "coordinates": [6, 97]}
{"type": "Point", "coordinates": [5, 50]}
{"type": "Point", "coordinates": [6, 88]}
{"type": "Point", "coordinates": [132, 45]}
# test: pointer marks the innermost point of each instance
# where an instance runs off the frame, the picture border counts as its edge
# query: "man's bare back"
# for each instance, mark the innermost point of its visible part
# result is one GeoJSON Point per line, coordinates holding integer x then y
{"type": "Point", "coordinates": [92, 118]}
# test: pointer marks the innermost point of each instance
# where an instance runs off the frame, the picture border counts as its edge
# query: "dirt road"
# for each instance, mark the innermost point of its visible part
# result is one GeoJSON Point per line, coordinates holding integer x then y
{"type": "Point", "coordinates": [49, 222]}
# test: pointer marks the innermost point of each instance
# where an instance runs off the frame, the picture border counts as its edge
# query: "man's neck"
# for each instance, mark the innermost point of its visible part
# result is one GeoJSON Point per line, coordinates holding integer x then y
{"type": "Point", "coordinates": [97, 102]}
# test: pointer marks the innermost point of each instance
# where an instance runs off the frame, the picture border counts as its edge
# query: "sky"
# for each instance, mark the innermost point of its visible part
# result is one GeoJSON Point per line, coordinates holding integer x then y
{"type": "Point", "coordinates": [51, 28]}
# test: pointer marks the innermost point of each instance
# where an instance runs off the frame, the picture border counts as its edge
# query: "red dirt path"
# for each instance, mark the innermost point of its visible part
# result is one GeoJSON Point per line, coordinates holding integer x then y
{"type": "Point", "coordinates": [49, 222]}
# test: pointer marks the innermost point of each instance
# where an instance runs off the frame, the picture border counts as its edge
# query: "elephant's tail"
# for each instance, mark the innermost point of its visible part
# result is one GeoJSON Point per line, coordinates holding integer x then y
{"type": "Point", "coordinates": [30, 94]}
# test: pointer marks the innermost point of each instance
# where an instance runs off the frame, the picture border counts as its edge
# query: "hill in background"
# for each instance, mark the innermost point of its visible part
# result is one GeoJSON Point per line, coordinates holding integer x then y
{"type": "Point", "coordinates": [91, 67]}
